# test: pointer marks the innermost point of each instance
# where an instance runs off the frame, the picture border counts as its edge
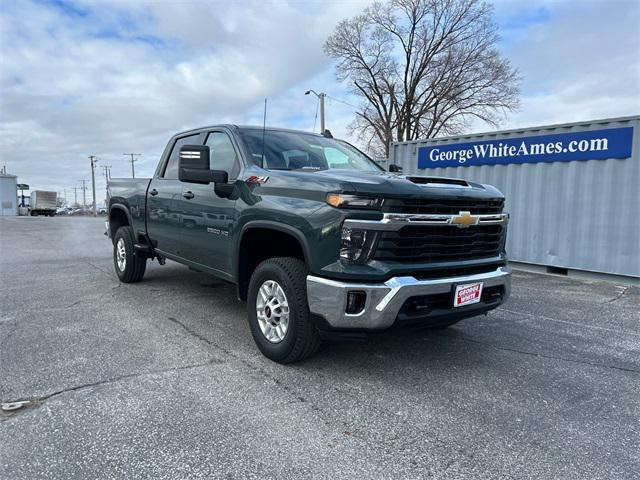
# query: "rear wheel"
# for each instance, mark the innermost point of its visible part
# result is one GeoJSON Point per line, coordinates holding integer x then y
{"type": "Point", "coordinates": [278, 311]}
{"type": "Point", "coordinates": [130, 265]}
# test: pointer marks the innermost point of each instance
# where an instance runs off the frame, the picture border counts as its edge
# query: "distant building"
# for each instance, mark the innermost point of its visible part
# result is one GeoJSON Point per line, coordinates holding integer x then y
{"type": "Point", "coordinates": [8, 195]}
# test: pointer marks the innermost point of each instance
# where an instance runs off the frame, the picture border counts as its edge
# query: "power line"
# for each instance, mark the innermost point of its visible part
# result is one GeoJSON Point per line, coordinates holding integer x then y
{"type": "Point", "coordinates": [342, 101]}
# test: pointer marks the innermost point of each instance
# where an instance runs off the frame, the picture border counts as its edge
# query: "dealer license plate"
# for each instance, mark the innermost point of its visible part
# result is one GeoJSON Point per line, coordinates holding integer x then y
{"type": "Point", "coordinates": [467, 294]}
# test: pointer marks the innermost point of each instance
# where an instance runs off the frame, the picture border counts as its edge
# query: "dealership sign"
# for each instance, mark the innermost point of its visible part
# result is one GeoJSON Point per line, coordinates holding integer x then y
{"type": "Point", "coordinates": [561, 147]}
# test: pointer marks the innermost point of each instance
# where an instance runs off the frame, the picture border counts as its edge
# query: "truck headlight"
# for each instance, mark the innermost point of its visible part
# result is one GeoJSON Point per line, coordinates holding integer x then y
{"type": "Point", "coordinates": [356, 246]}
{"type": "Point", "coordinates": [353, 201]}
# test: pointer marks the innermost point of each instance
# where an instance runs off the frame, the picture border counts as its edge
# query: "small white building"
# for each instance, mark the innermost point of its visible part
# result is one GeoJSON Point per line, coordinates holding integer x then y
{"type": "Point", "coordinates": [8, 195]}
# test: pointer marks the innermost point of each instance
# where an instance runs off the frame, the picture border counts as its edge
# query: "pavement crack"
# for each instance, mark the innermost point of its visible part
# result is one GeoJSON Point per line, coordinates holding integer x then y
{"type": "Point", "coordinates": [195, 334]}
{"type": "Point", "coordinates": [620, 294]}
{"type": "Point", "coordinates": [540, 355]}
{"type": "Point", "coordinates": [618, 331]}
{"type": "Point", "coordinates": [35, 402]}
{"type": "Point", "coordinates": [253, 367]}
{"type": "Point", "coordinates": [101, 269]}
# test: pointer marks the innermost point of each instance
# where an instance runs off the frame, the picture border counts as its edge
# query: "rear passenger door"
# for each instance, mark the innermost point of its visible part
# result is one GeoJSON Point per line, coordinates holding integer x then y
{"type": "Point", "coordinates": [165, 213]}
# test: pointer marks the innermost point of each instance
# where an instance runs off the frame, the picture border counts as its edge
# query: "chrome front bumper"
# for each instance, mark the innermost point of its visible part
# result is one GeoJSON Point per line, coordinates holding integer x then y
{"type": "Point", "coordinates": [328, 298]}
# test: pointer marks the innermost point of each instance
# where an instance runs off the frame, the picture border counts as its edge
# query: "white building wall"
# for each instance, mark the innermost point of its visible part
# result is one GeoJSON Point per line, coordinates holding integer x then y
{"type": "Point", "coordinates": [8, 195]}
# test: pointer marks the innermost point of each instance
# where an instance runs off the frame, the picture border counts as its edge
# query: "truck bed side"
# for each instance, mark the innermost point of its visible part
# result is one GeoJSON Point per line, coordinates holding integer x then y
{"type": "Point", "coordinates": [130, 195]}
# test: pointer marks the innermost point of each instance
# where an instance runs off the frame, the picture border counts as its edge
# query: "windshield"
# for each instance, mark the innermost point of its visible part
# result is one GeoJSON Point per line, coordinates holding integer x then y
{"type": "Point", "coordinates": [303, 151]}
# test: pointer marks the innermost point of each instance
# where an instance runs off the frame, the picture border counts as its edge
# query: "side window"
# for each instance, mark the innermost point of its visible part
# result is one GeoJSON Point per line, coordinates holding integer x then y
{"type": "Point", "coordinates": [336, 158]}
{"type": "Point", "coordinates": [223, 155]}
{"type": "Point", "coordinates": [171, 170]}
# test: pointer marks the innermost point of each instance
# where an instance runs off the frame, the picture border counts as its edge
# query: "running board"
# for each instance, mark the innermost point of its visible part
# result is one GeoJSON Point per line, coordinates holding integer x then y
{"type": "Point", "coordinates": [144, 250]}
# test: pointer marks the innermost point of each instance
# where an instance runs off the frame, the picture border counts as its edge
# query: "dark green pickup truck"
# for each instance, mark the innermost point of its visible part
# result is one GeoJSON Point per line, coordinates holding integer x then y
{"type": "Point", "coordinates": [320, 241]}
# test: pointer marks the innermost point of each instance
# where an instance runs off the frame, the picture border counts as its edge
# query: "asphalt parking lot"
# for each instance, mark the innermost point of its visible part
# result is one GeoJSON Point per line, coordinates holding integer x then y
{"type": "Point", "coordinates": [161, 379]}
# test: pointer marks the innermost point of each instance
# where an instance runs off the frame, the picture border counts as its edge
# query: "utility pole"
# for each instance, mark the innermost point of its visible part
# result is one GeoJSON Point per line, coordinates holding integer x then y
{"type": "Point", "coordinates": [84, 194]}
{"type": "Point", "coordinates": [75, 196]}
{"type": "Point", "coordinates": [106, 172]}
{"type": "Point", "coordinates": [321, 96]}
{"type": "Point", "coordinates": [133, 171]}
{"type": "Point", "coordinates": [93, 160]}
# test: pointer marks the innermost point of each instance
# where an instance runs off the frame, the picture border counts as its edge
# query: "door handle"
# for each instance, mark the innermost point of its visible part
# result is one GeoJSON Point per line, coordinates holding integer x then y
{"type": "Point", "coordinates": [153, 192]}
{"type": "Point", "coordinates": [189, 195]}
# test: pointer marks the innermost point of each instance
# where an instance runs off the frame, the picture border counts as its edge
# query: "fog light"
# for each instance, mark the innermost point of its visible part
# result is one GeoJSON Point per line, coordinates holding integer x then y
{"type": "Point", "coordinates": [355, 302]}
{"type": "Point", "coordinates": [356, 245]}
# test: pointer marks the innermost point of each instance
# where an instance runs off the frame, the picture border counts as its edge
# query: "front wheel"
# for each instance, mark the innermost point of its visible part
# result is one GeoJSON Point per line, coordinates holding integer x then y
{"type": "Point", "coordinates": [130, 265]}
{"type": "Point", "coordinates": [278, 311]}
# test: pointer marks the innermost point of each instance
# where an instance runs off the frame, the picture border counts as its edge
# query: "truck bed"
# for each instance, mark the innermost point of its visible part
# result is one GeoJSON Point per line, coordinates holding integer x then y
{"type": "Point", "coordinates": [130, 193]}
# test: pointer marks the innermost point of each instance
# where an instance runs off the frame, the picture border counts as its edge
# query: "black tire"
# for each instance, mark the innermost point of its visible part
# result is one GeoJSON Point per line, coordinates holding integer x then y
{"type": "Point", "coordinates": [135, 264]}
{"type": "Point", "coordinates": [34, 213]}
{"type": "Point", "coordinates": [302, 339]}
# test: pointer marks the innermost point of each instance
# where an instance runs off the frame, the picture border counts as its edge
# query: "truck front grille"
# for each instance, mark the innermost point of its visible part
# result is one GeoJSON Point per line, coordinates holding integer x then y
{"type": "Point", "coordinates": [444, 207]}
{"type": "Point", "coordinates": [438, 243]}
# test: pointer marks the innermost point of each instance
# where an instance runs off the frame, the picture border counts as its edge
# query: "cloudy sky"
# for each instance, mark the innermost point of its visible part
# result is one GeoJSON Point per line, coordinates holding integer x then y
{"type": "Point", "coordinates": [107, 77]}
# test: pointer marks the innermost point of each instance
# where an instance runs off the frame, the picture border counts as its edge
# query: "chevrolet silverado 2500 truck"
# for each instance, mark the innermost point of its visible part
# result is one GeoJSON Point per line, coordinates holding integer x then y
{"type": "Point", "coordinates": [320, 241]}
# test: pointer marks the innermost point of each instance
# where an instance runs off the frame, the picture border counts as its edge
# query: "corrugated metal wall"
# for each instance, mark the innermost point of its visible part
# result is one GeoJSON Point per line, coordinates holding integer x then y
{"type": "Point", "coordinates": [578, 215]}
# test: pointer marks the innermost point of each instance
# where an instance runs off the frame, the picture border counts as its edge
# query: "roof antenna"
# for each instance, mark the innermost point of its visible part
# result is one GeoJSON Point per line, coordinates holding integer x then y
{"type": "Point", "coordinates": [264, 127]}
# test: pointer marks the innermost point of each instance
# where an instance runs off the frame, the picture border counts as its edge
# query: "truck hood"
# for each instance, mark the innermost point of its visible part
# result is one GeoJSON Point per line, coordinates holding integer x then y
{"type": "Point", "coordinates": [391, 185]}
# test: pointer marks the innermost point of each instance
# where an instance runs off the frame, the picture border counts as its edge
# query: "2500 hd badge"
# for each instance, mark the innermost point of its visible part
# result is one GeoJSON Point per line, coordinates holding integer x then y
{"type": "Point", "coordinates": [319, 240]}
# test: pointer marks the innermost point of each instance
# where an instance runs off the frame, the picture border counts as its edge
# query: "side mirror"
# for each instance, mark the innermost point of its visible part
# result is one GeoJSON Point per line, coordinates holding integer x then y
{"type": "Point", "coordinates": [395, 168]}
{"type": "Point", "coordinates": [193, 166]}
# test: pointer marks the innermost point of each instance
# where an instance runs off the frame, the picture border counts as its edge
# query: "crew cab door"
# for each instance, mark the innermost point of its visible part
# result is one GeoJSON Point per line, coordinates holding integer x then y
{"type": "Point", "coordinates": [207, 214]}
{"type": "Point", "coordinates": [164, 214]}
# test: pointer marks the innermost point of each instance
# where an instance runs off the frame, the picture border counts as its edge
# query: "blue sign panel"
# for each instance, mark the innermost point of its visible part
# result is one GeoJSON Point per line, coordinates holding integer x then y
{"type": "Point", "coordinates": [560, 147]}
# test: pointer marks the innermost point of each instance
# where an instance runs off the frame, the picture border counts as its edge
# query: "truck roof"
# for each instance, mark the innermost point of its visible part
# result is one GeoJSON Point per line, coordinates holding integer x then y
{"type": "Point", "coordinates": [252, 127]}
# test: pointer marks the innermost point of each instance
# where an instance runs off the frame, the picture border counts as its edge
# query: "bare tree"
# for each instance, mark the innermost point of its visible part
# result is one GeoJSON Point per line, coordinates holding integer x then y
{"type": "Point", "coordinates": [423, 68]}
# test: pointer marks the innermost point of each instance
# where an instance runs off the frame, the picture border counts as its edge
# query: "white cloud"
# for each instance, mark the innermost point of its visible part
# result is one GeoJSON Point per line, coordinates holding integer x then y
{"type": "Point", "coordinates": [581, 61]}
{"type": "Point", "coordinates": [107, 77]}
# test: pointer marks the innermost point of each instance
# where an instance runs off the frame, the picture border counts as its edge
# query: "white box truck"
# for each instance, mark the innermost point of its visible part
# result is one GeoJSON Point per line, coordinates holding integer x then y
{"type": "Point", "coordinates": [43, 203]}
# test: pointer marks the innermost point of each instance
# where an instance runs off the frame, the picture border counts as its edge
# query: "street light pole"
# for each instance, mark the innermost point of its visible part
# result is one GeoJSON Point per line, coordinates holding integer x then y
{"type": "Point", "coordinates": [321, 96]}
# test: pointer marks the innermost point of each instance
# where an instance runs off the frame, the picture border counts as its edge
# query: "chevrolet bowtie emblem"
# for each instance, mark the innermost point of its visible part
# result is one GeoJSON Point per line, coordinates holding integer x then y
{"type": "Point", "coordinates": [465, 220]}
